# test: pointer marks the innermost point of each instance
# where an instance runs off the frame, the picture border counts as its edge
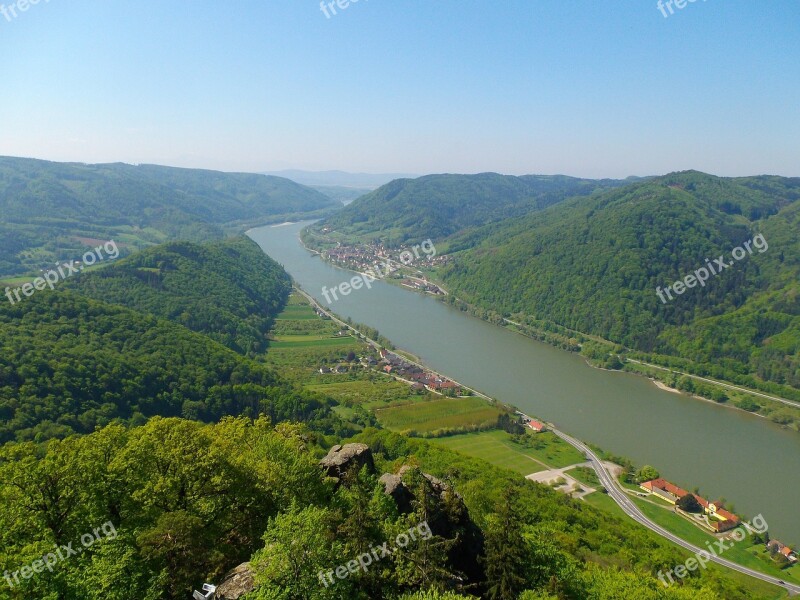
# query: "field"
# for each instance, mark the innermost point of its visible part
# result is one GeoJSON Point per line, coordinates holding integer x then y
{"type": "Point", "coordinates": [444, 413]}
{"type": "Point", "coordinates": [498, 448]}
{"type": "Point", "coordinates": [301, 341]}
{"type": "Point", "coordinates": [377, 391]}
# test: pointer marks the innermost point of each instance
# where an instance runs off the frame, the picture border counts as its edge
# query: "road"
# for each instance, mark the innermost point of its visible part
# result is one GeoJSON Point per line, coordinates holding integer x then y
{"type": "Point", "coordinates": [719, 383]}
{"type": "Point", "coordinates": [630, 509]}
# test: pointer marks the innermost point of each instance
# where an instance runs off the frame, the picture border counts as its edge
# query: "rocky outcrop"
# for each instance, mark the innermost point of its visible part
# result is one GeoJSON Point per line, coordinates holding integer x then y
{"type": "Point", "coordinates": [399, 490]}
{"type": "Point", "coordinates": [448, 516]}
{"type": "Point", "coordinates": [236, 583]}
{"type": "Point", "coordinates": [341, 459]}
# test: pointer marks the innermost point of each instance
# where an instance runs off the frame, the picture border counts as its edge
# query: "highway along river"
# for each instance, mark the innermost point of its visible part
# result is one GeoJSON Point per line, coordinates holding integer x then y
{"type": "Point", "coordinates": [746, 459]}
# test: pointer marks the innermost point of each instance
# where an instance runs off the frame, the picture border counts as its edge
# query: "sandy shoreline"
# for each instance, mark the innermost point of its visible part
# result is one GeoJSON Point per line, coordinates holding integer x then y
{"type": "Point", "coordinates": [663, 386]}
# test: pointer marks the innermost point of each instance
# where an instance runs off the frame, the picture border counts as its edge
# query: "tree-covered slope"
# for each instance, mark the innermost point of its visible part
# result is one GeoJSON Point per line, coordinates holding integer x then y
{"type": "Point", "coordinates": [594, 265]}
{"type": "Point", "coordinates": [69, 364]}
{"type": "Point", "coordinates": [436, 206]}
{"type": "Point", "coordinates": [45, 206]}
{"type": "Point", "coordinates": [147, 336]}
{"type": "Point", "coordinates": [176, 503]}
{"type": "Point", "coordinates": [230, 290]}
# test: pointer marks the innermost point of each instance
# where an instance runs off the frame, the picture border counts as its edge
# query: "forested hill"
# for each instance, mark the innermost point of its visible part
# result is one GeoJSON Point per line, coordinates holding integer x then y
{"type": "Point", "coordinates": [593, 264]}
{"type": "Point", "coordinates": [230, 291]}
{"type": "Point", "coordinates": [46, 206]}
{"type": "Point", "coordinates": [436, 206]}
{"type": "Point", "coordinates": [70, 362]}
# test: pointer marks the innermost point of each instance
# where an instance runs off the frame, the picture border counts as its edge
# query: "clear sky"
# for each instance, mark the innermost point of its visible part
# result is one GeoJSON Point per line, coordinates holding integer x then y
{"type": "Point", "coordinates": [582, 87]}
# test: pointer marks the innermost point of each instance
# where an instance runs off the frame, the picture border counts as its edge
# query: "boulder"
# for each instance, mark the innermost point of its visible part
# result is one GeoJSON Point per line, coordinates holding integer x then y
{"type": "Point", "coordinates": [341, 459]}
{"type": "Point", "coordinates": [236, 583]}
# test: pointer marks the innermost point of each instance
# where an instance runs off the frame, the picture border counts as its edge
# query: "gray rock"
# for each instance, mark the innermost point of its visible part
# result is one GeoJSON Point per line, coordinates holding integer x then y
{"type": "Point", "coordinates": [236, 583]}
{"type": "Point", "coordinates": [341, 458]}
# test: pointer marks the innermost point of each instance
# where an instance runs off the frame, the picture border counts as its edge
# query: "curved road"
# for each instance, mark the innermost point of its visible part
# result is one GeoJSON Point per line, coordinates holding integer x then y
{"type": "Point", "coordinates": [627, 505]}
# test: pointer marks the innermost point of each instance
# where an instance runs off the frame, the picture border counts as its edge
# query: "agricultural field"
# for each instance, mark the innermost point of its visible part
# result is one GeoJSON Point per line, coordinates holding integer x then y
{"type": "Point", "coordinates": [544, 451]}
{"type": "Point", "coordinates": [301, 341]}
{"type": "Point", "coordinates": [439, 414]}
{"type": "Point", "coordinates": [371, 390]}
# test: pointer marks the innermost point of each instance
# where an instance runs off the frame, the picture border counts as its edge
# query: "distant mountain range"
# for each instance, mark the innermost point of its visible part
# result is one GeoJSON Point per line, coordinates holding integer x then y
{"type": "Point", "coordinates": [46, 208]}
{"type": "Point", "coordinates": [368, 181]}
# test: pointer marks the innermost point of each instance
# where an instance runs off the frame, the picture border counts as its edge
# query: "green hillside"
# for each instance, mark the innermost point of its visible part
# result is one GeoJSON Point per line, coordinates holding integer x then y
{"type": "Point", "coordinates": [435, 206]}
{"type": "Point", "coordinates": [230, 291]}
{"type": "Point", "coordinates": [177, 503]}
{"type": "Point", "coordinates": [51, 211]}
{"type": "Point", "coordinates": [70, 363]}
{"type": "Point", "coordinates": [594, 265]}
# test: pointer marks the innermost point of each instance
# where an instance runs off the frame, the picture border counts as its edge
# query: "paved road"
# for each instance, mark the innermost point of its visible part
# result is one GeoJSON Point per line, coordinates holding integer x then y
{"type": "Point", "coordinates": [627, 505]}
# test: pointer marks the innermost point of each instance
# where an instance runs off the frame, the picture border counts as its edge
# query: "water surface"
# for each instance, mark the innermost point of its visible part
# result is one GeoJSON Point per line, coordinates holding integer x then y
{"type": "Point", "coordinates": [727, 453]}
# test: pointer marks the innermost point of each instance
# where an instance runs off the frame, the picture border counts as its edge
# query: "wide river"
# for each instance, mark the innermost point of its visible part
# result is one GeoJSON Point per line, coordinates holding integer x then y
{"type": "Point", "coordinates": [746, 459]}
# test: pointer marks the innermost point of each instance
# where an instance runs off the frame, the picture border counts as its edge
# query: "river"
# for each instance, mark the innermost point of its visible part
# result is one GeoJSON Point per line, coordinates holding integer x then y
{"type": "Point", "coordinates": [727, 453]}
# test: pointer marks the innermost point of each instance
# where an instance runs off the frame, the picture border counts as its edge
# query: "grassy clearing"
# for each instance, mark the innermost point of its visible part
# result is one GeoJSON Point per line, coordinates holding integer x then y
{"type": "Point", "coordinates": [492, 447]}
{"type": "Point", "coordinates": [323, 342]}
{"type": "Point", "coordinates": [445, 413]}
{"type": "Point", "coordinates": [498, 448]}
{"type": "Point", "coordinates": [297, 312]}
{"type": "Point", "coordinates": [375, 391]}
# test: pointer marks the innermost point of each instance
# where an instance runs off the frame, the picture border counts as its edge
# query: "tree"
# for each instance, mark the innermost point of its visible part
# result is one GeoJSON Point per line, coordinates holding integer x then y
{"type": "Point", "coordinates": [689, 503]}
{"type": "Point", "coordinates": [647, 473]}
{"type": "Point", "coordinates": [424, 564]}
{"type": "Point", "coordinates": [717, 395]}
{"type": "Point", "coordinates": [506, 560]}
{"type": "Point", "coordinates": [300, 551]}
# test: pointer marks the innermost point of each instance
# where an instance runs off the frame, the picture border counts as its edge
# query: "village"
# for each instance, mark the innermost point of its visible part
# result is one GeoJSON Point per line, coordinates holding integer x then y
{"type": "Point", "coordinates": [391, 364]}
{"type": "Point", "coordinates": [375, 258]}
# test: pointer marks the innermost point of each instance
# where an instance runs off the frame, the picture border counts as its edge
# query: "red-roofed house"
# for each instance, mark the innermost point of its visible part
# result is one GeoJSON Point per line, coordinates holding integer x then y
{"type": "Point", "coordinates": [536, 426]}
{"type": "Point", "coordinates": [789, 553]}
{"type": "Point", "coordinates": [663, 488]}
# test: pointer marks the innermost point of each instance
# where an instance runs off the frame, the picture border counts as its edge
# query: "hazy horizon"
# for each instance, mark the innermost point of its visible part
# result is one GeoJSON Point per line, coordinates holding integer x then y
{"type": "Point", "coordinates": [586, 89]}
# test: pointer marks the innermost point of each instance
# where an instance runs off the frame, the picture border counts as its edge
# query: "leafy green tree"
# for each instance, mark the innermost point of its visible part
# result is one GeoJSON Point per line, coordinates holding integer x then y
{"type": "Point", "coordinates": [689, 503]}
{"type": "Point", "coordinates": [300, 557]}
{"type": "Point", "coordinates": [647, 473]}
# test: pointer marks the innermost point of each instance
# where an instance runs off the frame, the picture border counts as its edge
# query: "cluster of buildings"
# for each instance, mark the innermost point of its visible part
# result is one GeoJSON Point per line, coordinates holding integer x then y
{"type": "Point", "coordinates": [776, 547]}
{"type": "Point", "coordinates": [719, 519]}
{"type": "Point", "coordinates": [422, 286]}
{"type": "Point", "coordinates": [419, 378]}
{"type": "Point", "coordinates": [391, 364]}
{"type": "Point", "coordinates": [358, 258]}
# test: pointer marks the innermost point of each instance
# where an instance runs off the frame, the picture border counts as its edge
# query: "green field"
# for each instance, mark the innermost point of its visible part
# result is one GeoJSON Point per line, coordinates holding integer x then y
{"type": "Point", "coordinates": [305, 341]}
{"type": "Point", "coordinates": [491, 447]}
{"type": "Point", "coordinates": [301, 342]}
{"type": "Point", "coordinates": [445, 413]}
{"type": "Point", "coordinates": [297, 312]}
{"type": "Point", "coordinates": [498, 448]}
{"type": "Point", "coordinates": [376, 392]}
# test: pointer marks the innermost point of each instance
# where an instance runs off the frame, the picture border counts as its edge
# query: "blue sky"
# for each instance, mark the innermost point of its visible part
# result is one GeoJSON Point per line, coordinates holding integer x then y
{"type": "Point", "coordinates": [590, 88]}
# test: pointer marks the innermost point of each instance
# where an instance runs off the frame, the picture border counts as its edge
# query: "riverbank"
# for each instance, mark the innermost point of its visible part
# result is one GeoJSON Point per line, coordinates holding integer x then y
{"type": "Point", "coordinates": [609, 410]}
{"type": "Point", "coordinates": [780, 411]}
